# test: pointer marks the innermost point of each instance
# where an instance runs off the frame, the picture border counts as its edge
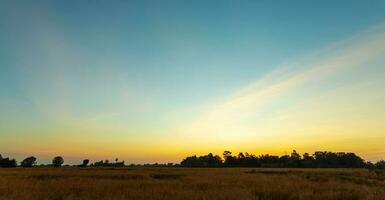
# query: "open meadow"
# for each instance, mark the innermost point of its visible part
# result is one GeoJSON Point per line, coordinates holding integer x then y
{"type": "Point", "coordinates": [192, 184]}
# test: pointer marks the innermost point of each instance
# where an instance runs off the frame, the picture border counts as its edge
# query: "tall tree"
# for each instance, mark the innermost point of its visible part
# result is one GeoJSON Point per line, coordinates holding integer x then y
{"type": "Point", "coordinates": [57, 161]}
{"type": "Point", "coordinates": [28, 162]}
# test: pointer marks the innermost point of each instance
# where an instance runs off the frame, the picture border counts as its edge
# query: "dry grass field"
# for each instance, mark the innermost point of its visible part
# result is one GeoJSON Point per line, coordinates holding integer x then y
{"type": "Point", "coordinates": [192, 184]}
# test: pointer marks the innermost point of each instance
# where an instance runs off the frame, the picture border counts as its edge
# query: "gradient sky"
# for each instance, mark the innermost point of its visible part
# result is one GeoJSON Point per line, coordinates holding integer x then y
{"type": "Point", "coordinates": [155, 81]}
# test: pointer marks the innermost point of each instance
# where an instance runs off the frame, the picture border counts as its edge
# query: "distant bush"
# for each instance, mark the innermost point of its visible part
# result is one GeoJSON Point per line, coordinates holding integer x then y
{"type": "Point", "coordinates": [107, 163]}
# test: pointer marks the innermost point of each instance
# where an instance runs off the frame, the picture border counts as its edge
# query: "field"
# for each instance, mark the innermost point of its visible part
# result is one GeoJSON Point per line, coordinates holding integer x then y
{"type": "Point", "coordinates": [191, 184]}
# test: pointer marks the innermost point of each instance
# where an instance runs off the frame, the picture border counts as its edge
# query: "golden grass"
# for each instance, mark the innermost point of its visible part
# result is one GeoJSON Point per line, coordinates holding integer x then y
{"type": "Point", "coordinates": [192, 184]}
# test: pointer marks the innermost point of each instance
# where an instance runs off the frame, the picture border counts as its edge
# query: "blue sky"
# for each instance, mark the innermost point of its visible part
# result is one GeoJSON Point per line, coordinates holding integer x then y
{"type": "Point", "coordinates": [199, 44]}
{"type": "Point", "coordinates": [139, 66]}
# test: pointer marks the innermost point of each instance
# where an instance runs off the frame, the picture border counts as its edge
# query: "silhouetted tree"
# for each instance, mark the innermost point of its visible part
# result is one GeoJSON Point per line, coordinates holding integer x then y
{"type": "Point", "coordinates": [7, 162]}
{"type": "Point", "coordinates": [269, 160]}
{"type": "Point", "coordinates": [226, 154]}
{"type": "Point", "coordinates": [85, 163]}
{"type": "Point", "coordinates": [307, 160]}
{"type": "Point", "coordinates": [229, 159]}
{"type": "Point", "coordinates": [98, 164]}
{"type": "Point", "coordinates": [369, 165]}
{"type": "Point", "coordinates": [118, 164]}
{"type": "Point", "coordinates": [320, 159]}
{"type": "Point", "coordinates": [340, 159]}
{"type": "Point", "coordinates": [284, 161]}
{"type": "Point", "coordinates": [208, 160]}
{"type": "Point", "coordinates": [57, 161]}
{"type": "Point", "coordinates": [106, 163]}
{"type": "Point", "coordinates": [295, 159]}
{"type": "Point", "coordinates": [380, 164]}
{"type": "Point", "coordinates": [28, 162]}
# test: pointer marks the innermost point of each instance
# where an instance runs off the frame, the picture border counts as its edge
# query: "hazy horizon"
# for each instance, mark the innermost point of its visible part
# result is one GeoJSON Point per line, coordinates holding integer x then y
{"type": "Point", "coordinates": [155, 81]}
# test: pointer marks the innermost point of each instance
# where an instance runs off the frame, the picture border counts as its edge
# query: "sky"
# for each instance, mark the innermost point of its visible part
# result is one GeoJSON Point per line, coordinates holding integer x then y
{"type": "Point", "coordinates": [156, 81]}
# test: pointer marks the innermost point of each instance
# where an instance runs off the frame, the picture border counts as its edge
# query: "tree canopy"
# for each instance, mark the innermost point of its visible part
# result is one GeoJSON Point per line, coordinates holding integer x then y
{"type": "Point", "coordinates": [7, 162]}
{"type": "Point", "coordinates": [28, 162]}
{"type": "Point", "coordinates": [320, 159]}
{"type": "Point", "coordinates": [57, 161]}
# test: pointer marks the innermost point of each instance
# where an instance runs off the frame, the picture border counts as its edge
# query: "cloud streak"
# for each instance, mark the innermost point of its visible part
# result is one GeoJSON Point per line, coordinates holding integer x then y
{"type": "Point", "coordinates": [247, 112]}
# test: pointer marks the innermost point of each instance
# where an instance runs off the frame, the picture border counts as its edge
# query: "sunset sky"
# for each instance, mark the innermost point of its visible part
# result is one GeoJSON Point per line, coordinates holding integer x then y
{"type": "Point", "coordinates": [155, 81]}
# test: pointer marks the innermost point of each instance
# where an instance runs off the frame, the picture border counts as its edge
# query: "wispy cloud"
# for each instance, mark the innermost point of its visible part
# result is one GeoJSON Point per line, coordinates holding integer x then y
{"type": "Point", "coordinates": [246, 113]}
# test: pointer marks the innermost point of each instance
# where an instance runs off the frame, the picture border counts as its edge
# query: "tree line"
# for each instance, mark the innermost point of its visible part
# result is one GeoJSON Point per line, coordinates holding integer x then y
{"type": "Point", "coordinates": [57, 161]}
{"type": "Point", "coordinates": [319, 159]}
{"type": "Point", "coordinates": [28, 162]}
